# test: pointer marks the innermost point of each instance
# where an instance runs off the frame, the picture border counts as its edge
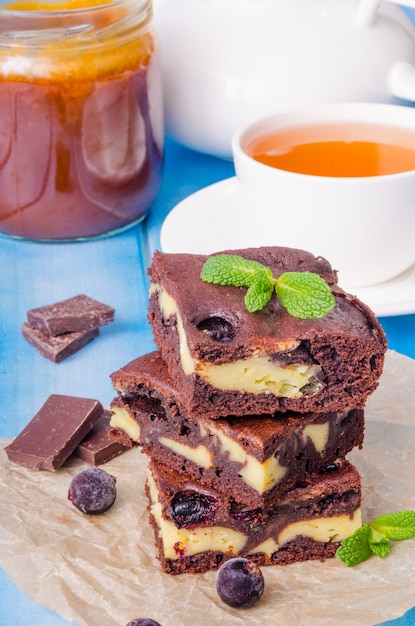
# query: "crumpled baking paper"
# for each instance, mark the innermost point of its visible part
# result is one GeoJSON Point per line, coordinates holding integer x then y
{"type": "Point", "coordinates": [102, 570]}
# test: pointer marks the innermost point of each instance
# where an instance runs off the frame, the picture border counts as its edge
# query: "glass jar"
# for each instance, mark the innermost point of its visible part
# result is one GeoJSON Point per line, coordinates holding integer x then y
{"type": "Point", "coordinates": [81, 117]}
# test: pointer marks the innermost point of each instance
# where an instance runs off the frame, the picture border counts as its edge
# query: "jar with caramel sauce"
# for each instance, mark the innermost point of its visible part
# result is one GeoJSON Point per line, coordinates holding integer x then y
{"type": "Point", "coordinates": [81, 117]}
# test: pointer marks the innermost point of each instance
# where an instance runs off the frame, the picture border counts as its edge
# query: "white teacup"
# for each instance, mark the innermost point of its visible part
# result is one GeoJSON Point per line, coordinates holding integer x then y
{"type": "Point", "coordinates": [363, 224]}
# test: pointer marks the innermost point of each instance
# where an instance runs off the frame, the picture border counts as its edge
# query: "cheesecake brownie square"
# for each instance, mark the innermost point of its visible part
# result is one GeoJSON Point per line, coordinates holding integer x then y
{"type": "Point", "coordinates": [257, 459]}
{"type": "Point", "coordinates": [196, 529]}
{"type": "Point", "coordinates": [225, 360]}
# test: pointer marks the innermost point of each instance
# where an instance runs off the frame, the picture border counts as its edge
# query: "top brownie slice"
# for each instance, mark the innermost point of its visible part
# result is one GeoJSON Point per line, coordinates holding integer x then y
{"type": "Point", "coordinates": [225, 360]}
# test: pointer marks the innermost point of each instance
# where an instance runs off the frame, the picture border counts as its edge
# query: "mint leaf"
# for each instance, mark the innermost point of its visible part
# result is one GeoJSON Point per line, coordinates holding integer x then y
{"type": "Point", "coordinates": [231, 269]}
{"type": "Point", "coordinates": [356, 548]}
{"type": "Point", "coordinates": [396, 526]}
{"type": "Point", "coordinates": [258, 296]}
{"type": "Point", "coordinates": [375, 537]}
{"type": "Point", "coordinates": [305, 295]}
{"type": "Point", "coordinates": [381, 549]}
{"type": "Point", "coordinates": [378, 543]}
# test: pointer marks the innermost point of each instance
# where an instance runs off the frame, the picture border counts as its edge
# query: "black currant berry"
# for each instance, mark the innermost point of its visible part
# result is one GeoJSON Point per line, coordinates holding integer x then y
{"type": "Point", "coordinates": [217, 328]}
{"type": "Point", "coordinates": [92, 491]}
{"type": "Point", "coordinates": [189, 508]}
{"type": "Point", "coordinates": [239, 583]}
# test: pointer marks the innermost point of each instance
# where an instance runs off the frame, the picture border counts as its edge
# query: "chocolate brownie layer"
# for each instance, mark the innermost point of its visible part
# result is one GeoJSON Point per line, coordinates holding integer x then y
{"type": "Point", "coordinates": [257, 459]}
{"type": "Point", "coordinates": [196, 528]}
{"type": "Point", "coordinates": [227, 361]}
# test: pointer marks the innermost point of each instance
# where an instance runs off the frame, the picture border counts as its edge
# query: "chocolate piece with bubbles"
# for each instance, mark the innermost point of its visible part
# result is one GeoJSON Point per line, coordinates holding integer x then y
{"type": "Point", "coordinates": [76, 314]}
{"type": "Point", "coordinates": [57, 348]}
{"type": "Point", "coordinates": [54, 432]}
{"type": "Point", "coordinates": [97, 448]}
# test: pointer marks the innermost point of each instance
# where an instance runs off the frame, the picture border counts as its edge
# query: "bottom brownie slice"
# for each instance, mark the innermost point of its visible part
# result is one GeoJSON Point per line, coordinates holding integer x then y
{"type": "Point", "coordinates": [196, 528]}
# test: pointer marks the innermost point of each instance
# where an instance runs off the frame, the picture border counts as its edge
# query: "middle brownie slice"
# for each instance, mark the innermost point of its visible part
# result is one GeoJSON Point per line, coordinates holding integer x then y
{"type": "Point", "coordinates": [257, 460]}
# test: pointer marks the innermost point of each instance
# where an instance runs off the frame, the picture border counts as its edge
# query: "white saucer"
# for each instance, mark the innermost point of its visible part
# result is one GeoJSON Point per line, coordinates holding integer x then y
{"type": "Point", "coordinates": [210, 220]}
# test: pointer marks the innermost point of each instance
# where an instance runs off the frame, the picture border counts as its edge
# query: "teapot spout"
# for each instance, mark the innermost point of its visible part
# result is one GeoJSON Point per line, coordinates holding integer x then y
{"type": "Point", "coordinates": [401, 80]}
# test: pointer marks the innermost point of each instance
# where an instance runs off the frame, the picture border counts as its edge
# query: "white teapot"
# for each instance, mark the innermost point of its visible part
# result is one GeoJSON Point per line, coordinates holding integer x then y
{"type": "Point", "coordinates": [228, 62]}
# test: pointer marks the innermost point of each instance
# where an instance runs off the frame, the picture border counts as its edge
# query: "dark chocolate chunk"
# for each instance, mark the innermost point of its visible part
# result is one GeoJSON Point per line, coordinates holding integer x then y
{"type": "Point", "coordinates": [57, 348]}
{"type": "Point", "coordinates": [76, 314]}
{"type": "Point", "coordinates": [97, 447]}
{"type": "Point", "coordinates": [54, 432]}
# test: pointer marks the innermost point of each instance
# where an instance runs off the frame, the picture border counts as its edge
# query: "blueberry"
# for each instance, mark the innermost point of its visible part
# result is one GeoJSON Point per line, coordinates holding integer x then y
{"type": "Point", "coordinates": [217, 328]}
{"type": "Point", "coordinates": [92, 491]}
{"type": "Point", "coordinates": [143, 621]}
{"type": "Point", "coordinates": [239, 583]}
{"type": "Point", "coordinates": [188, 508]}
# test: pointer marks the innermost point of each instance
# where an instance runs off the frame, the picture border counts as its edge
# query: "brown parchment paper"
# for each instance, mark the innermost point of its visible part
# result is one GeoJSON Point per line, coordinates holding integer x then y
{"type": "Point", "coordinates": [102, 570]}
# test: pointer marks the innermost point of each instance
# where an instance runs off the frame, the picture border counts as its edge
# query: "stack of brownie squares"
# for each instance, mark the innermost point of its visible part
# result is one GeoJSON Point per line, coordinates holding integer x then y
{"type": "Point", "coordinates": [247, 418]}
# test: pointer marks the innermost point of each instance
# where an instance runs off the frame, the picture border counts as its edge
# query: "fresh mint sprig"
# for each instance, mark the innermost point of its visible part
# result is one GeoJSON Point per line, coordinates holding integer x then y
{"type": "Point", "coordinates": [303, 294]}
{"type": "Point", "coordinates": [374, 538]}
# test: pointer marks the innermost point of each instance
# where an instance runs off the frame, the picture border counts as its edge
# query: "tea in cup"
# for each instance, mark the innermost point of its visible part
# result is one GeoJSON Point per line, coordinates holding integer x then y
{"type": "Point", "coordinates": [338, 180]}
